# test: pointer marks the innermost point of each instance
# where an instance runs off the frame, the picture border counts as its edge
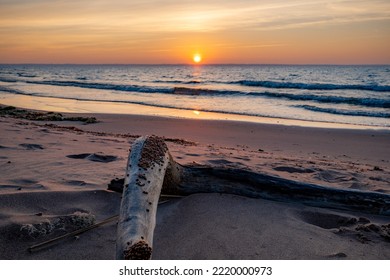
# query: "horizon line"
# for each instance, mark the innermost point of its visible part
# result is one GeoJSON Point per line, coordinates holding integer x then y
{"type": "Point", "coordinates": [201, 64]}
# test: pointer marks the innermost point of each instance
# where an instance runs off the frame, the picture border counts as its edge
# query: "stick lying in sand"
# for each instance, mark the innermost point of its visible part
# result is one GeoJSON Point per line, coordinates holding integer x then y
{"type": "Point", "coordinates": [44, 244]}
{"type": "Point", "coordinates": [53, 241]}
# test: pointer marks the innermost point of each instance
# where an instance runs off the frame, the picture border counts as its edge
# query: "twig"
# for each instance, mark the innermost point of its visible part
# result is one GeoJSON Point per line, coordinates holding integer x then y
{"type": "Point", "coordinates": [44, 244]}
{"type": "Point", "coordinates": [172, 195]}
{"type": "Point", "coordinates": [163, 201]}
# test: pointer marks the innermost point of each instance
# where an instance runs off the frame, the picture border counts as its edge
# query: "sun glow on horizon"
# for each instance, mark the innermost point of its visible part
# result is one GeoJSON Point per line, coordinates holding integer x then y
{"type": "Point", "coordinates": [195, 33]}
{"type": "Point", "coordinates": [197, 58]}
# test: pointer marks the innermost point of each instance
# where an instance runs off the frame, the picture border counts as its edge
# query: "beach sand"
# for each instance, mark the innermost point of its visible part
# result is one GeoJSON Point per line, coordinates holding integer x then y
{"type": "Point", "coordinates": [54, 177]}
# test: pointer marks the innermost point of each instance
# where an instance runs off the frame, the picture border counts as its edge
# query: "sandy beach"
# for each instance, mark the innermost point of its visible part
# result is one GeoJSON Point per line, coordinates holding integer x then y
{"type": "Point", "coordinates": [54, 177]}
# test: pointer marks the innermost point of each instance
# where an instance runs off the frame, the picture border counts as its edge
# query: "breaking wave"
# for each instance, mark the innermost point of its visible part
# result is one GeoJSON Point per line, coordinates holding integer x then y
{"type": "Point", "coordinates": [369, 102]}
{"type": "Point", "coordinates": [343, 112]}
{"type": "Point", "coordinates": [315, 86]}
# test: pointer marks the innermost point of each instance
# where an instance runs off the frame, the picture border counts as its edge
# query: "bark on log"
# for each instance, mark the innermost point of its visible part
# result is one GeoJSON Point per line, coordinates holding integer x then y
{"type": "Point", "coordinates": [147, 163]}
{"type": "Point", "coordinates": [205, 179]}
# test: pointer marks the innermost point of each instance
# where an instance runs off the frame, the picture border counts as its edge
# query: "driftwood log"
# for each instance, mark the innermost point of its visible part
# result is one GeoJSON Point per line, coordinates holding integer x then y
{"type": "Point", "coordinates": [205, 179]}
{"type": "Point", "coordinates": [151, 170]}
{"type": "Point", "coordinates": [146, 166]}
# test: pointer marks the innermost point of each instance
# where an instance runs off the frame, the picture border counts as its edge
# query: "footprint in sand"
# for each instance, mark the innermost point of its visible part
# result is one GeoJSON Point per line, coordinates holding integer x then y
{"type": "Point", "coordinates": [31, 146]}
{"type": "Point", "coordinates": [333, 176]}
{"type": "Point", "coordinates": [223, 162]}
{"type": "Point", "coordinates": [19, 187]}
{"type": "Point", "coordinates": [360, 228]}
{"type": "Point", "coordinates": [291, 169]}
{"type": "Point", "coordinates": [97, 157]}
{"type": "Point", "coordinates": [76, 183]}
{"type": "Point", "coordinates": [24, 181]}
{"type": "Point", "coordinates": [327, 220]}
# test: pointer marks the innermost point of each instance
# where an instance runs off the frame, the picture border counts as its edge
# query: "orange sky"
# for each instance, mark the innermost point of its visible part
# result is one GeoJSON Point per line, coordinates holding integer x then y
{"type": "Point", "coordinates": [171, 31]}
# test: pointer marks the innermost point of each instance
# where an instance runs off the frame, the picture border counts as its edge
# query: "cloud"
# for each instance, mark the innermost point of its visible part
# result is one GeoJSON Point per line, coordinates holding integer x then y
{"type": "Point", "coordinates": [190, 16]}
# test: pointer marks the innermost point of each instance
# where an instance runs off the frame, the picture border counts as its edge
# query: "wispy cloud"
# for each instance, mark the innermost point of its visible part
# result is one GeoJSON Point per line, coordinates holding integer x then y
{"type": "Point", "coordinates": [178, 16]}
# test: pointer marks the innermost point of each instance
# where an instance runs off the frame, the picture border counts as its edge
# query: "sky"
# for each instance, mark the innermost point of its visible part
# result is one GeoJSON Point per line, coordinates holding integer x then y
{"type": "Point", "coordinates": [172, 31]}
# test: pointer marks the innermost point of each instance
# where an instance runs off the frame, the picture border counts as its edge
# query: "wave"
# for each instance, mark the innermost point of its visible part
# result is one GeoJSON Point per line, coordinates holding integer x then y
{"type": "Point", "coordinates": [245, 113]}
{"type": "Point", "coordinates": [202, 91]}
{"type": "Point", "coordinates": [333, 111]}
{"type": "Point", "coordinates": [14, 91]}
{"type": "Point", "coordinates": [332, 99]}
{"type": "Point", "coordinates": [10, 90]}
{"type": "Point", "coordinates": [133, 88]}
{"type": "Point", "coordinates": [286, 85]}
{"type": "Point", "coordinates": [320, 98]}
{"type": "Point", "coordinates": [26, 75]}
{"type": "Point", "coordinates": [116, 87]}
{"type": "Point", "coordinates": [8, 80]}
{"type": "Point", "coordinates": [178, 82]}
{"type": "Point", "coordinates": [289, 85]}
{"type": "Point", "coordinates": [316, 86]}
{"type": "Point", "coordinates": [368, 102]}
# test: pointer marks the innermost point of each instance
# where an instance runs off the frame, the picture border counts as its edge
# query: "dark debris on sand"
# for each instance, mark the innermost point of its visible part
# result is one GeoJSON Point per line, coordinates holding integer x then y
{"type": "Point", "coordinates": [10, 111]}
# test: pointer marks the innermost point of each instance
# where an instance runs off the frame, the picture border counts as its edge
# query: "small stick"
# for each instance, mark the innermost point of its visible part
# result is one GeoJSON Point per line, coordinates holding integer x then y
{"type": "Point", "coordinates": [172, 195]}
{"type": "Point", "coordinates": [73, 233]}
{"type": "Point", "coordinates": [163, 201]}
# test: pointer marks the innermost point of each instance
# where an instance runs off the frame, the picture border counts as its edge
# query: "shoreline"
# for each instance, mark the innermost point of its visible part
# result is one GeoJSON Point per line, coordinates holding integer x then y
{"type": "Point", "coordinates": [53, 171]}
{"type": "Point", "coordinates": [63, 105]}
{"type": "Point", "coordinates": [277, 136]}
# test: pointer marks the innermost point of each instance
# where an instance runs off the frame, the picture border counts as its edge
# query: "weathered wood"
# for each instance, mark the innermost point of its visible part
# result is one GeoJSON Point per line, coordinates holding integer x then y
{"type": "Point", "coordinates": [186, 180]}
{"type": "Point", "coordinates": [146, 167]}
{"type": "Point", "coordinates": [205, 179]}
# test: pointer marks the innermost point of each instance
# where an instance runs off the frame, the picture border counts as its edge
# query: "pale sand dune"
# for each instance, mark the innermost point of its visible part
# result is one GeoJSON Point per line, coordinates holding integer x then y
{"type": "Point", "coordinates": [49, 173]}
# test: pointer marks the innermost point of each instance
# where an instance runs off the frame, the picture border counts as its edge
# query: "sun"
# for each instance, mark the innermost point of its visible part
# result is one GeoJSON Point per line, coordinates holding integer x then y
{"type": "Point", "coordinates": [197, 58]}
